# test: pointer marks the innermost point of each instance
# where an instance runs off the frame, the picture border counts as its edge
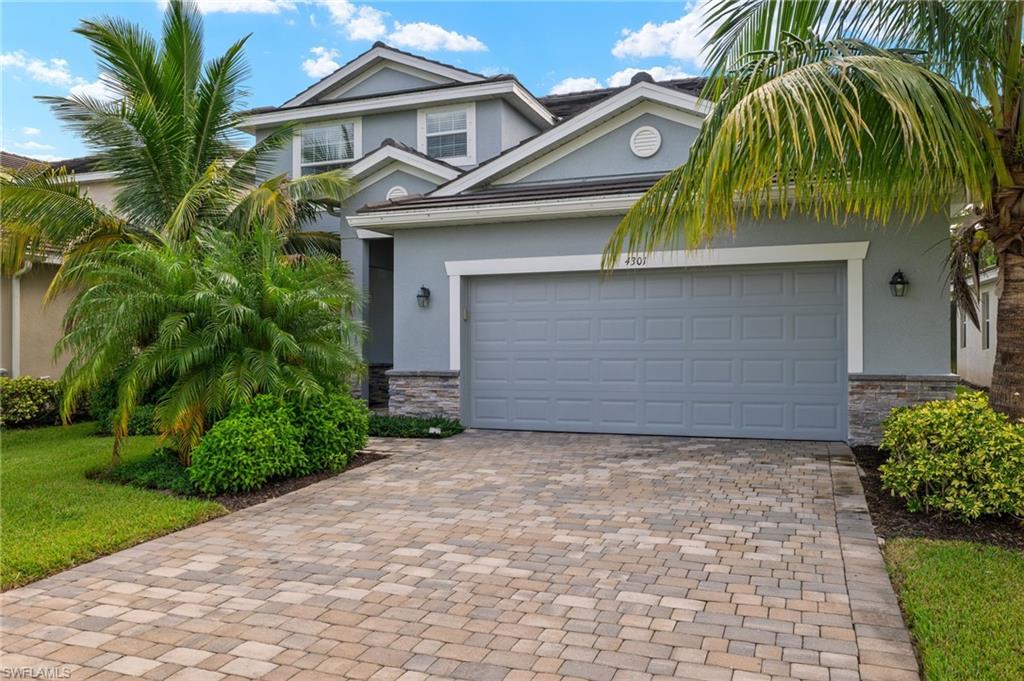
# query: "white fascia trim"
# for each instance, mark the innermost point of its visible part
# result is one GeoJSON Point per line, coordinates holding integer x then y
{"type": "Point", "coordinates": [370, 234]}
{"type": "Point", "coordinates": [421, 131]}
{"type": "Point", "coordinates": [387, 155]}
{"type": "Point", "coordinates": [95, 176]}
{"type": "Point", "coordinates": [370, 56]}
{"type": "Point", "coordinates": [394, 66]}
{"type": "Point", "coordinates": [592, 135]}
{"type": "Point", "coordinates": [371, 179]}
{"type": "Point", "coordinates": [853, 252]}
{"type": "Point", "coordinates": [497, 212]}
{"type": "Point", "coordinates": [357, 141]}
{"type": "Point", "coordinates": [407, 100]}
{"type": "Point", "coordinates": [573, 126]}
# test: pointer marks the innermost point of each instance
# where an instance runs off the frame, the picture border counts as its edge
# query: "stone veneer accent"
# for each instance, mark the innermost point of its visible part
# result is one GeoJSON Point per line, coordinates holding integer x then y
{"type": "Point", "coordinates": [873, 396]}
{"type": "Point", "coordinates": [423, 393]}
{"type": "Point", "coordinates": [377, 382]}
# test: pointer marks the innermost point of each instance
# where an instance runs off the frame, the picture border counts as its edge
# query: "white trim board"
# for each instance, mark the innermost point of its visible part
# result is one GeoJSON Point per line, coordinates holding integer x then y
{"type": "Point", "coordinates": [594, 134]}
{"type": "Point", "coordinates": [511, 90]}
{"type": "Point", "coordinates": [852, 252]}
{"type": "Point", "coordinates": [595, 115]}
{"type": "Point", "coordinates": [497, 212]}
{"type": "Point", "coordinates": [386, 54]}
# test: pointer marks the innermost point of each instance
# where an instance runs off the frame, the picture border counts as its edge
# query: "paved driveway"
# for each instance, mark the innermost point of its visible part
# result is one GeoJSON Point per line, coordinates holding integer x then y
{"type": "Point", "coordinates": [501, 556]}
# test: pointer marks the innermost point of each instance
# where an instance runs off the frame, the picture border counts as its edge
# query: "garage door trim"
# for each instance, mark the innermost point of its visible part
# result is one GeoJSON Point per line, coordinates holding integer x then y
{"type": "Point", "coordinates": [853, 252]}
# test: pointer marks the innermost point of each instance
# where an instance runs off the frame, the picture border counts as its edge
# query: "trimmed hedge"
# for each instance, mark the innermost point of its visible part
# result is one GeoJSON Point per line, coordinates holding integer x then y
{"type": "Point", "coordinates": [248, 448]}
{"type": "Point", "coordinates": [955, 456]}
{"type": "Point", "coordinates": [28, 401]}
{"type": "Point", "coordinates": [410, 426]}
{"type": "Point", "coordinates": [271, 438]}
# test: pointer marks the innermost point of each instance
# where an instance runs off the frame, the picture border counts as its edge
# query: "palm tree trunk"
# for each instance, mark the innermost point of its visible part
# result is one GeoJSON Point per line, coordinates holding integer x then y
{"type": "Point", "coordinates": [115, 456]}
{"type": "Point", "coordinates": [1007, 393]}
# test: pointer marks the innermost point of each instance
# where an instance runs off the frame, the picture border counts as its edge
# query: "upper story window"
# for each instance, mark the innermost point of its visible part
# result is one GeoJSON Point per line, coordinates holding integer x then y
{"type": "Point", "coordinates": [326, 146]}
{"type": "Point", "coordinates": [449, 134]}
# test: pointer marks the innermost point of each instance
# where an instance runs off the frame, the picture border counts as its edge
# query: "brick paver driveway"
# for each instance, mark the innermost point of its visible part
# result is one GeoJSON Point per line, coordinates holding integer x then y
{"type": "Point", "coordinates": [501, 556]}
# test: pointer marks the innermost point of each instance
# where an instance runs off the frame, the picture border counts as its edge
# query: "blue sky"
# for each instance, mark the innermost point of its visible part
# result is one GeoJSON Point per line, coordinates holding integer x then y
{"type": "Point", "coordinates": [550, 46]}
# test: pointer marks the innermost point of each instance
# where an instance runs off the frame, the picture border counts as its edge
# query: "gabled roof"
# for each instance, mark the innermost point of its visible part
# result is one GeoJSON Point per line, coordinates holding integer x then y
{"type": "Point", "coordinates": [391, 151]}
{"type": "Point", "coordinates": [504, 86]}
{"type": "Point", "coordinates": [14, 161]}
{"type": "Point", "coordinates": [572, 103]}
{"type": "Point", "coordinates": [382, 52]}
{"type": "Point", "coordinates": [566, 129]}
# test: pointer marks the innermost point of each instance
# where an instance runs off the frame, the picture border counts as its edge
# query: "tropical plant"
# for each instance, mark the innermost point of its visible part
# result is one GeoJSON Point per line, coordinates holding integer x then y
{"type": "Point", "coordinates": [218, 321]}
{"type": "Point", "coordinates": [884, 109]}
{"type": "Point", "coordinates": [169, 139]}
{"type": "Point", "coordinates": [187, 195]}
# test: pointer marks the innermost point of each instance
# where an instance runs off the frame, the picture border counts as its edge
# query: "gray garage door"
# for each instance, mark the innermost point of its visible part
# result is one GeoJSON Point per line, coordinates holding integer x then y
{"type": "Point", "coordinates": [731, 351]}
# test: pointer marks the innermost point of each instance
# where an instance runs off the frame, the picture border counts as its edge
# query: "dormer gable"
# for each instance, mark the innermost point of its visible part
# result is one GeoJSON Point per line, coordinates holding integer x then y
{"type": "Point", "coordinates": [379, 70]}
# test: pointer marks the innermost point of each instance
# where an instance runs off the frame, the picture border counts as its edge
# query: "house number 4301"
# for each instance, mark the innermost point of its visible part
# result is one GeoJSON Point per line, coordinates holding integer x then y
{"type": "Point", "coordinates": [636, 260]}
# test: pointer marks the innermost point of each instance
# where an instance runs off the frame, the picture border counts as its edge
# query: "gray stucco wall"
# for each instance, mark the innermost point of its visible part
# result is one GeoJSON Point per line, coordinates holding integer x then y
{"type": "Point", "coordinates": [611, 151]}
{"type": "Point", "coordinates": [385, 80]}
{"type": "Point", "coordinates": [514, 127]}
{"type": "Point", "coordinates": [398, 125]}
{"type": "Point", "coordinates": [901, 335]}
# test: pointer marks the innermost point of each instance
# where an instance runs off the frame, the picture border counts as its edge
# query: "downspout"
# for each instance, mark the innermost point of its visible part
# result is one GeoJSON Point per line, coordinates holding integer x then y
{"type": "Point", "coordinates": [16, 318]}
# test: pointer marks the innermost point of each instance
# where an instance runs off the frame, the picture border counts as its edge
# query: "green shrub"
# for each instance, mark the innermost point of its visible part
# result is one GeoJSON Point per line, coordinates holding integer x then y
{"type": "Point", "coordinates": [159, 470]}
{"type": "Point", "coordinates": [28, 401]}
{"type": "Point", "coordinates": [103, 403]}
{"type": "Point", "coordinates": [955, 456]}
{"type": "Point", "coordinates": [410, 426]}
{"type": "Point", "coordinates": [333, 429]}
{"type": "Point", "coordinates": [247, 448]}
{"type": "Point", "coordinates": [141, 422]}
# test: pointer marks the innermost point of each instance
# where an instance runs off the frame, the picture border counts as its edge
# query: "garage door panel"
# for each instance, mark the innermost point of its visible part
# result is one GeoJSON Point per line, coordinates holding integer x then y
{"type": "Point", "coordinates": [750, 352]}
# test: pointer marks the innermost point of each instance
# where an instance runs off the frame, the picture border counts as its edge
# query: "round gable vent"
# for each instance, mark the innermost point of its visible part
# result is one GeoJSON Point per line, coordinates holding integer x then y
{"type": "Point", "coordinates": [645, 141]}
{"type": "Point", "coordinates": [396, 192]}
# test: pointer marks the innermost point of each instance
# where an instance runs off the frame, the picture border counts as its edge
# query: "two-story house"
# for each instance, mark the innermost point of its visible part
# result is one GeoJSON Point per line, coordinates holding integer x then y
{"type": "Point", "coordinates": [477, 232]}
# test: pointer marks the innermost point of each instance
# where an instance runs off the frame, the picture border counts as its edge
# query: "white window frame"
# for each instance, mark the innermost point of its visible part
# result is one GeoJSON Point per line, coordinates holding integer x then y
{"type": "Point", "coordinates": [421, 132]}
{"type": "Point", "coordinates": [963, 329]}
{"type": "Point", "coordinates": [986, 320]}
{"type": "Point", "coordinates": [357, 144]}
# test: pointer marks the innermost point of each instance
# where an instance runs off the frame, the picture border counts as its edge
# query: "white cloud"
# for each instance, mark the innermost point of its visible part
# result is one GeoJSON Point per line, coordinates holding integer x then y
{"type": "Point", "coordinates": [681, 39]}
{"type": "Point", "coordinates": [52, 72]}
{"type": "Point", "coordinates": [567, 85]}
{"type": "Point", "coordinates": [100, 89]}
{"type": "Point", "coordinates": [30, 132]}
{"type": "Point", "coordinates": [240, 6]}
{"type": "Point", "coordinates": [34, 146]}
{"type": "Point", "coordinates": [617, 79]}
{"type": "Point", "coordinates": [431, 37]}
{"type": "Point", "coordinates": [360, 22]}
{"type": "Point", "coordinates": [620, 78]}
{"type": "Point", "coordinates": [322, 63]}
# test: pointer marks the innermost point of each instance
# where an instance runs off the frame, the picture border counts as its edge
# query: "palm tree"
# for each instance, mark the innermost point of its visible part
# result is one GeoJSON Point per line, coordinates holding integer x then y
{"type": "Point", "coordinates": [185, 187]}
{"type": "Point", "coordinates": [221, 319]}
{"type": "Point", "coordinates": [170, 139]}
{"type": "Point", "coordinates": [883, 109]}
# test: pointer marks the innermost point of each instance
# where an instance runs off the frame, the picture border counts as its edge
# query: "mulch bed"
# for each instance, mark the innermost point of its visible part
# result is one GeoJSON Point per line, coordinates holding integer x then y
{"type": "Point", "coordinates": [892, 519]}
{"type": "Point", "coordinates": [234, 502]}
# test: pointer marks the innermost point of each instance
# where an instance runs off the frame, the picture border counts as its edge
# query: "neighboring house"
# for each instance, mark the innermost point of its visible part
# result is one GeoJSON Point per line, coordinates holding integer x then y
{"type": "Point", "coordinates": [29, 329]}
{"type": "Point", "coordinates": [976, 347]}
{"type": "Point", "coordinates": [478, 228]}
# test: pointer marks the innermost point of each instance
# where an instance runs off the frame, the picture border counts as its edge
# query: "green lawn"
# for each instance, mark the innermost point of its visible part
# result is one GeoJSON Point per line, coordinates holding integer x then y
{"type": "Point", "coordinates": [964, 603]}
{"type": "Point", "coordinates": [52, 517]}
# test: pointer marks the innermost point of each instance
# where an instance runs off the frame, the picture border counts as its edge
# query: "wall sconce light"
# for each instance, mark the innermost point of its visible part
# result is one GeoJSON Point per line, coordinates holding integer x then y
{"type": "Point", "coordinates": [899, 284]}
{"type": "Point", "coordinates": [423, 297]}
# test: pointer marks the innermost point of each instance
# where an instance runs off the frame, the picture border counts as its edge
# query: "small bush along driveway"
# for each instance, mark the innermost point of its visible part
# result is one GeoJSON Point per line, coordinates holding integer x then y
{"type": "Point", "coordinates": [496, 556]}
{"type": "Point", "coordinates": [54, 517]}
